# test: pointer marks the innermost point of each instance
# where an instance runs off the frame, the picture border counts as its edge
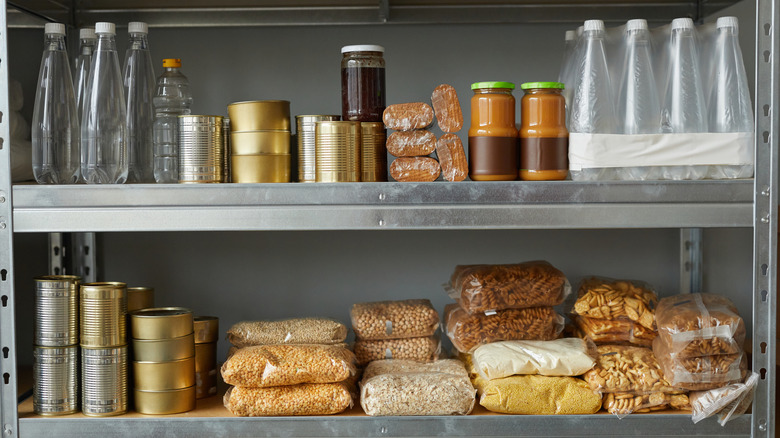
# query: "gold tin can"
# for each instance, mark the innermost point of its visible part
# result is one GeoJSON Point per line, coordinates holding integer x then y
{"type": "Point", "coordinates": [103, 314]}
{"type": "Point", "coordinates": [265, 168]}
{"type": "Point", "coordinates": [258, 115]}
{"type": "Point", "coordinates": [201, 149]}
{"type": "Point", "coordinates": [206, 329]}
{"type": "Point", "coordinates": [161, 323]}
{"type": "Point", "coordinates": [205, 357]}
{"type": "Point", "coordinates": [228, 147]}
{"type": "Point", "coordinates": [205, 384]}
{"type": "Point", "coordinates": [305, 127]}
{"type": "Point", "coordinates": [104, 381]}
{"type": "Point", "coordinates": [163, 350]}
{"type": "Point", "coordinates": [260, 142]}
{"type": "Point", "coordinates": [337, 151]}
{"type": "Point", "coordinates": [160, 376]}
{"type": "Point", "coordinates": [139, 298]}
{"type": "Point", "coordinates": [174, 401]}
{"type": "Point", "coordinates": [373, 150]}
{"type": "Point", "coordinates": [56, 310]}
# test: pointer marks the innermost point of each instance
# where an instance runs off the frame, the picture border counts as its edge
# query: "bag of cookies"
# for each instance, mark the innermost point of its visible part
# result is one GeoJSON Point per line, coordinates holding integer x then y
{"type": "Point", "coordinates": [633, 370]}
{"type": "Point", "coordinates": [699, 372]}
{"type": "Point", "coordinates": [489, 288]}
{"type": "Point", "coordinates": [603, 298]}
{"type": "Point", "coordinates": [302, 399]}
{"type": "Point", "coordinates": [422, 349]}
{"type": "Point", "coordinates": [694, 325]}
{"type": "Point", "coordinates": [394, 319]}
{"type": "Point", "coordinates": [623, 404]}
{"type": "Point", "coordinates": [539, 395]}
{"type": "Point", "coordinates": [287, 331]}
{"type": "Point", "coordinates": [613, 331]}
{"type": "Point", "coordinates": [561, 357]}
{"type": "Point", "coordinates": [729, 401]}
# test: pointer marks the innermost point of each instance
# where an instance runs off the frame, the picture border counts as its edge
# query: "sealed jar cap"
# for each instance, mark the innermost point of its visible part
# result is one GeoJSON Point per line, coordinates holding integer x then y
{"type": "Point", "coordinates": [87, 33]}
{"type": "Point", "coordinates": [171, 63]}
{"type": "Point", "coordinates": [638, 24]}
{"type": "Point", "coordinates": [728, 22]}
{"type": "Point", "coordinates": [593, 25]}
{"type": "Point", "coordinates": [363, 48]}
{"type": "Point", "coordinates": [54, 29]}
{"type": "Point", "coordinates": [104, 27]}
{"type": "Point", "coordinates": [530, 85]}
{"type": "Point", "coordinates": [477, 85]}
{"type": "Point", "coordinates": [137, 27]}
{"type": "Point", "coordinates": [682, 23]}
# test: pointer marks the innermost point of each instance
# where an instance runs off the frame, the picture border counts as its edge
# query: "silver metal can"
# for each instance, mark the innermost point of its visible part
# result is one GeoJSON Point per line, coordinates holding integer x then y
{"type": "Point", "coordinates": [104, 381]}
{"type": "Point", "coordinates": [56, 382]}
{"type": "Point", "coordinates": [56, 310]}
{"type": "Point", "coordinates": [201, 149]}
{"type": "Point", "coordinates": [307, 157]}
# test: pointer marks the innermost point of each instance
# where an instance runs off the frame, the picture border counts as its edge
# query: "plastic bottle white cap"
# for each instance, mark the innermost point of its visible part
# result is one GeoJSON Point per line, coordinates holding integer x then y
{"type": "Point", "coordinates": [103, 27]}
{"type": "Point", "coordinates": [571, 35]}
{"type": "Point", "coordinates": [580, 29]}
{"type": "Point", "coordinates": [54, 28]}
{"type": "Point", "coordinates": [593, 25]}
{"type": "Point", "coordinates": [682, 23]}
{"type": "Point", "coordinates": [363, 48]}
{"type": "Point", "coordinates": [638, 24]}
{"type": "Point", "coordinates": [87, 33]}
{"type": "Point", "coordinates": [728, 22]}
{"type": "Point", "coordinates": [137, 27]}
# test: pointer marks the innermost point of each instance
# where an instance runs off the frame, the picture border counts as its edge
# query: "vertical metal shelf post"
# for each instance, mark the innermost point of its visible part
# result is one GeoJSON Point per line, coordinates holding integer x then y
{"type": "Point", "coordinates": [9, 415]}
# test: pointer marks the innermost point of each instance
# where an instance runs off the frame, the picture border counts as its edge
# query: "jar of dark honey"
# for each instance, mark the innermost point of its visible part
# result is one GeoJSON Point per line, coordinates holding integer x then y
{"type": "Point", "coordinates": [362, 83]}
{"type": "Point", "coordinates": [493, 149]}
{"type": "Point", "coordinates": [544, 140]}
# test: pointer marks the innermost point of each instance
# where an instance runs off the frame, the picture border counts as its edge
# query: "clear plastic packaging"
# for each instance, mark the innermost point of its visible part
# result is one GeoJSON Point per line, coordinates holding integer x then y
{"type": "Point", "coordinates": [408, 116]}
{"type": "Point", "coordinates": [446, 106]}
{"type": "Point", "coordinates": [414, 143]}
{"type": "Point", "coordinates": [423, 349]}
{"type": "Point", "coordinates": [487, 288]}
{"type": "Point", "coordinates": [87, 43]}
{"type": "Point", "coordinates": [55, 124]}
{"type": "Point", "coordinates": [394, 319]}
{"type": "Point", "coordinates": [439, 388]}
{"type": "Point", "coordinates": [623, 404]}
{"type": "Point", "coordinates": [613, 331]}
{"type": "Point", "coordinates": [415, 169]}
{"type": "Point", "coordinates": [172, 98]}
{"type": "Point", "coordinates": [592, 108]}
{"type": "Point", "coordinates": [604, 298]}
{"type": "Point", "coordinates": [139, 92]}
{"type": "Point", "coordinates": [561, 357]}
{"type": "Point", "coordinates": [639, 110]}
{"type": "Point", "coordinates": [729, 401]}
{"type": "Point", "coordinates": [627, 369]}
{"type": "Point", "coordinates": [303, 399]}
{"type": "Point", "coordinates": [287, 331]}
{"type": "Point", "coordinates": [701, 372]}
{"type": "Point", "coordinates": [276, 365]}
{"type": "Point", "coordinates": [539, 395]}
{"type": "Point", "coordinates": [700, 325]}
{"type": "Point", "coordinates": [469, 331]}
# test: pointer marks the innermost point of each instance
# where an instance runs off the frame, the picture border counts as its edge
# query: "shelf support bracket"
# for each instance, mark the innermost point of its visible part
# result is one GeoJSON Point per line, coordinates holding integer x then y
{"type": "Point", "coordinates": [73, 254]}
{"type": "Point", "coordinates": [690, 260]}
{"type": "Point", "coordinates": [384, 11]}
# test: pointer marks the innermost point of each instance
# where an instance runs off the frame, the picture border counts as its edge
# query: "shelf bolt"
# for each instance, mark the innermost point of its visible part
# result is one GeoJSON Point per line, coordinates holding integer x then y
{"type": "Point", "coordinates": [381, 222]}
{"type": "Point", "coordinates": [383, 430]}
{"type": "Point", "coordinates": [765, 192]}
{"type": "Point", "coordinates": [381, 196]}
{"type": "Point", "coordinates": [2, 225]}
{"type": "Point", "coordinates": [762, 426]}
{"type": "Point", "coordinates": [765, 219]}
{"type": "Point", "coordinates": [2, 199]}
{"type": "Point", "coordinates": [7, 429]}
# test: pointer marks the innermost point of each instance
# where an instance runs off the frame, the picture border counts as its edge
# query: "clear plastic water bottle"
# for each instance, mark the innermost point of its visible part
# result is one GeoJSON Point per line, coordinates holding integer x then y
{"type": "Point", "coordinates": [55, 125]}
{"type": "Point", "coordinates": [592, 109]}
{"type": "Point", "coordinates": [104, 155]}
{"type": "Point", "coordinates": [639, 110]}
{"type": "Point", "coordinates": [171, 100]}
{"type": "Point", "coordinates": [683, 107]}
{"type": "Point", "coordinates": [566, 74]}
{"type": "Point", "coordinates": [139, 92]}
{"type": "Point", "coordinates": [729, 109]}
{"type": "Point", "coordinates": [87, 42]}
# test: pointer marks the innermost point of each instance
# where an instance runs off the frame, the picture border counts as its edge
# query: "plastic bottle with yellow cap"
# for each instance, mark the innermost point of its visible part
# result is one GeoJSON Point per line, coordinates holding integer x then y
{"type": "Point", "coordinates": [171, 100]}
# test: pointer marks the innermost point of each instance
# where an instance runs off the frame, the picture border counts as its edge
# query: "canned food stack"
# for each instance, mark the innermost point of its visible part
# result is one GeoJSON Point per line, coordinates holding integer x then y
{"type": "Point", "coordinates": [201, 149]}
{"type": "Point", "coordinates": [206, 332]}
{"type": "Point", "coordinates": [103, 348]}
{"type": "Point", "coordinates": [164, 360]}
{"type": "Point", "coordinates": [56, 351]}
{"type": "Point", "coordinates": [405, 329]}
{"type": "Point", "coordinates": [260, 141]}
{"type": "Point", "coordinates": [307, 144]}
{"type": "Point", "coordinates": [411, 143]}
{"type": "Point", "coordinates": [373, 153]}
{"type": "Point", "coordinates": [297, 366]}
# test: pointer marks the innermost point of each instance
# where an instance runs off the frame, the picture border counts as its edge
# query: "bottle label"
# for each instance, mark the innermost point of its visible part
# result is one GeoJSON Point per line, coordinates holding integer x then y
{"type": "Point", "coordinates": [493, 155]}
{"type": "Point", "coordinates": [544, 153]}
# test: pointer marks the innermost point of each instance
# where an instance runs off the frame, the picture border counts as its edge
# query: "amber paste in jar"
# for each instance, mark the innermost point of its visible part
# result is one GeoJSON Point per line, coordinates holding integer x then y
{"type": "Point", "coordinates": [493, 149]}
{"type": "Point", "coordinates": [544, 140]}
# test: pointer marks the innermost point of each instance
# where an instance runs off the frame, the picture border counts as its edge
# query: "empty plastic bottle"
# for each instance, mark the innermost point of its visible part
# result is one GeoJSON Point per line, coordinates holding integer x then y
{"type": "Point", "coordinates": [87, 42]}
{"type": "Point", "coordinates": [139, 92]}
{"type": "Point", "coordinates": [566, 74]}
{"type": "Point", "coordinates": [104, 157]}
{"type": "Point", "coordinates": [729, 109]}
{"type": "Point", "coordinates": [55, 125]}
{"type": "Point", "coordinates": [171, 100]}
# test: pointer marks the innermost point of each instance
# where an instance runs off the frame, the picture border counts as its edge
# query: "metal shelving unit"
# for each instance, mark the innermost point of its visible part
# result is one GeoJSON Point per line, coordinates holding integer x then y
{"type": "Point", "coordinates": [699, 204]}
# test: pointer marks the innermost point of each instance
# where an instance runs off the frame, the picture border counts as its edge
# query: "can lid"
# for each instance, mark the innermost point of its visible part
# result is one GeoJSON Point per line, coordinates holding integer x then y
{"type": "Point", "coordinates": [171, 63]}
{"type": "Point", "coordinates": [137, 27]}
{"type": "Point", "coordinates": [728, 22]}
{"type": "Point", "coordinates": [104, 27]}
{"type": "Point", "coordinates": [54, 29]}
{"type": "Point", "coordinates": [530, 85]}
{"type": "Point", "coordinates": [493, 84]}
{"type": "Point", "coordinates": [682, 23]}
{"type": "Point", "coordinates": [87, 33]}
{"type": "Point", "coordinates": [593, 25]}
{"type": "Point", "coordinates": [638, 24]}
{"type": "Point", "coordinates": [571, 35]}
{"type": "Point", "coordinates": [363, 48]}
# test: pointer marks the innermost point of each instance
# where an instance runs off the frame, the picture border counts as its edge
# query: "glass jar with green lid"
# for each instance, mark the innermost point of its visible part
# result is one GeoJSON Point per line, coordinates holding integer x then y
{"type": "Point", "coordinates": [493, 148]}
{"type": "Point", "coordinates": [544, 140]}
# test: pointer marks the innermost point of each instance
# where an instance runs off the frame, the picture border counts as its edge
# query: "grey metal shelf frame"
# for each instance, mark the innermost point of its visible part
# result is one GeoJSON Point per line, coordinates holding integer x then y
{"type": "Point", "coordinates": [748, 204]}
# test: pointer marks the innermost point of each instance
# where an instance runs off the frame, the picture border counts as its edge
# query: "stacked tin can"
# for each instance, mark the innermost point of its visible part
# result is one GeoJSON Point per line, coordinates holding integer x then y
{"type": "Point", "coordinates": [201, 149]}
{"type": "Point", "coordinates": [260, 141]}
{"type": "Point", "coordinates": [206, 334]}
{"type": "Point", "coordinates": [373, 152]}
{"type": "Point", "coordinates": [56, 350]}
{"type": "Point", "coordinates": [164, 360]}
{"type": "Point", "coordinates": [103, 348]}
{"type": "Point", "coordinates": [337, 151]}
{"type": "Point", "coordinates": [305, 127]}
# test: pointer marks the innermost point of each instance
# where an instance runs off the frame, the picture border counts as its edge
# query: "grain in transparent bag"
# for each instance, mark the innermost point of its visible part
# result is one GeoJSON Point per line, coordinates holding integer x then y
{"type": "Point", "coordinates": [538, 395]}
{"type": "Point", "coordinates": [301, 399]}
{"type": "Point", "coordinates": [561, 357]}
{"type": "Point", "coordinates": [422, 349]}
{"type": "Point", "coordinates": [312, 330]}
{"type": "Point", "coordinates": [394, 319]}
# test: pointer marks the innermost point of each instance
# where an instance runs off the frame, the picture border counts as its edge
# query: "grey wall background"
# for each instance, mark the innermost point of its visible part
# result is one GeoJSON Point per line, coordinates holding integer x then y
{"type": "Point", "coordinates": [254, 275]}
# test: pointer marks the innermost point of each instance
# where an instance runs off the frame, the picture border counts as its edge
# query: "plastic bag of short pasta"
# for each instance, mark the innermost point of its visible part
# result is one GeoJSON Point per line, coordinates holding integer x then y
{"type": "Point", "coordinates": [312, 330]}
{"type": "Point", "coordinates": [736, 397]}
{"type": "Point", "coordinates": [302, 399]}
